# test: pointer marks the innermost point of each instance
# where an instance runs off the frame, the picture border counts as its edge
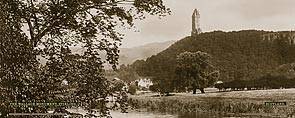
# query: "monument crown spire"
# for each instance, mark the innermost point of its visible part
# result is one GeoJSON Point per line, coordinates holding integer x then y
{"type": "Point", "coordinates": [195, 23]}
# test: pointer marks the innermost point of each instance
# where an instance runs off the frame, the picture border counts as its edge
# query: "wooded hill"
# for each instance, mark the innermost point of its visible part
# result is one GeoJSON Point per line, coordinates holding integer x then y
{"type": "Point", "coordinates": [243, 55]}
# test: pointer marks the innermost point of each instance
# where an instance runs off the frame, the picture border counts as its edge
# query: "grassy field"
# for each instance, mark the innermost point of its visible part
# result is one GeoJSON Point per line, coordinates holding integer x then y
{"type": "Point", "coordinates": [273, 94]}
{"type": "Point", "coordinates": [231, 102]}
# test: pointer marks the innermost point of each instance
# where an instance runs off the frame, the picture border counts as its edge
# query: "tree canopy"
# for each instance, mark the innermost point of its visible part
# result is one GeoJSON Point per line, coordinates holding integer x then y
{"type": "Point", "coordinates": [195, 69]}
{"type": "Point", "coordinates": [243, 55]}
{"type": "Point", "coordinates": [34, 29]}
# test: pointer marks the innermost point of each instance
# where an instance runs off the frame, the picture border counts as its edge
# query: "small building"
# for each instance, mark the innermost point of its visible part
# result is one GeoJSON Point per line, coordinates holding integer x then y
{"type": "Point", "coordinates": [219, 82]}
{"type": "Point", "coordinates": [144, 83]}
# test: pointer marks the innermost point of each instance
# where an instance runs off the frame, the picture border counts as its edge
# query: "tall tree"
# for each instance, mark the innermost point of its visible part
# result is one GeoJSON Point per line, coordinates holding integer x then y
{"type": "Point", "coordinates": [16, 57]}
{"type": "Point", "coordinates": [195, 69]}
{"type": "Point", "coordinates": [49, 28]}
{"type": "Point", "coordinates": [127, 74]}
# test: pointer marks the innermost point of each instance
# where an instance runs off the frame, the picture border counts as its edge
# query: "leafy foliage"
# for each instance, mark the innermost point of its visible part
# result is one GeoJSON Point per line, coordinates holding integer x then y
{"type": "Point", "coordinates": [243, 55]}
{"type": "Point", "coordinates": [127, 74]}
{"type": "Point", "coordinates": [194, 68]}
{"type": "Point", "coordinates": [265, 82]}
{"type": "Point", "coordinates": [54, 26]}
{"type": "Point", "coordinates": [132, 89]}
{"type": "Point", "coordinates": [163, 84]}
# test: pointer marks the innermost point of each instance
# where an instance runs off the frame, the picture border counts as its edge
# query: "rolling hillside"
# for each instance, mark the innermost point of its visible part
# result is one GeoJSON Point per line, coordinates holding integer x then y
{"type": "Point", "coordinates": [129, 55]}
{"type": "Point", "coordinates": [244, 55]}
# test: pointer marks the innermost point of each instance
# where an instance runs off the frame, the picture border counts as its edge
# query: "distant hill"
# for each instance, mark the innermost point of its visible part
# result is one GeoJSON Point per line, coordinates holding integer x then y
{"type": "Point", "coordinates": [242, 55]}
{"type": "Point", "coordinates": [129, 55]}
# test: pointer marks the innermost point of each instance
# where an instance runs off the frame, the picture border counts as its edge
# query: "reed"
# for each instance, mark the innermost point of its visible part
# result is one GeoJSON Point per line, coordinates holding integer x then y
{"type": "Point", "coordinates": [216, 105]}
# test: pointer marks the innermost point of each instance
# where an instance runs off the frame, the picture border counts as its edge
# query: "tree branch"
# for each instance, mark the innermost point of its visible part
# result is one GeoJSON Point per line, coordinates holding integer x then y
{"type": "Point", "coordinates": [32, 35]}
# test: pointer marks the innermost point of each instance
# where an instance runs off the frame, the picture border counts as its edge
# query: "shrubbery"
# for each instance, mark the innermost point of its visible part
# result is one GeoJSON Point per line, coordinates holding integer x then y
{"type": "Point", "coordinates": [265, 82]}
{"type": "Point", "coordinates": [132, 89]}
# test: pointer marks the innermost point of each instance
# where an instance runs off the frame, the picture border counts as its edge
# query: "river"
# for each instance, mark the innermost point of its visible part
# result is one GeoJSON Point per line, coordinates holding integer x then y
{"type": "Point", "coordinates": [117, 114]}
{"type": "Point", "coordinates": [145, 114]}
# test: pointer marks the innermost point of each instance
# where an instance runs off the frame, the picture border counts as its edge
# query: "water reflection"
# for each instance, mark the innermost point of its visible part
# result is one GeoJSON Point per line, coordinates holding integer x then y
{"type": "Point", "coordinates": [146, 114]}
{"type": "Point", "coordinates": [198, 115]}
{"type": "Point", "coordinates": [117, 114]}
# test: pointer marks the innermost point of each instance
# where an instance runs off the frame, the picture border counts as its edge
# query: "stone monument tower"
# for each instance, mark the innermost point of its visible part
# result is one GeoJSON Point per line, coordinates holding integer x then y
{"type": "Point", "coordinates": [195, 23]}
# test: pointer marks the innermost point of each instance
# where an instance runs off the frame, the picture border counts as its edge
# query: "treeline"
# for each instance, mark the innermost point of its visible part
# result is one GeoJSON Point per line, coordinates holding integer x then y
{"type": "Point", "coordinates": [240, 55]}
{"type": "Point", "coordinates": [265, 82]}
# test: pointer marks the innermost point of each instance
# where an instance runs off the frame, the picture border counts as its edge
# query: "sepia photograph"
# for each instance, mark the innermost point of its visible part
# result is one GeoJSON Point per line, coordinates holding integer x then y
{"type": "Point", "coordinates": [147, 59]}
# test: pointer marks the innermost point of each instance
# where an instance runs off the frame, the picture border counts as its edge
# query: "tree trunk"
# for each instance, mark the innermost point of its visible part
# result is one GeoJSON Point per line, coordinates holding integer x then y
{"type": "Point", "coordinates": [167, 93]}
{"type": "Point", "coordinates": [194, 91]}
{"type": "Point", "coordinates": [202, 90]}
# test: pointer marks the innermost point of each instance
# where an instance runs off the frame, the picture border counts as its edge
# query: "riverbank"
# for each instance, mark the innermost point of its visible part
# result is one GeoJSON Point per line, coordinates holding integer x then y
{"type": "Point", "coordinates": [130, 114]}
{"type": "Point", "coordinates": [275, 102]}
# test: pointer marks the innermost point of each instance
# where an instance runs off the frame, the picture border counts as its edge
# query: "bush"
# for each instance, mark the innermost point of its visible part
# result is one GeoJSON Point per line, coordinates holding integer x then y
{"type": "Point", "coordinates": [132, 89]}
{"type": "Point", "coordinates": [265, 82]}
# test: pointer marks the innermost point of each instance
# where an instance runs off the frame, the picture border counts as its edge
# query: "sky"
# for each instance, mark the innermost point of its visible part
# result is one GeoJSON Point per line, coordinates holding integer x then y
{"type": "Point", "coordinates": [225, 15]}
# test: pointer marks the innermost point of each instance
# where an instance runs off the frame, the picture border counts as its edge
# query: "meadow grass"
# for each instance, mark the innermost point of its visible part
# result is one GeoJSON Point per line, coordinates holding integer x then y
{"type": "Point", "coordinates": [233, 102]}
